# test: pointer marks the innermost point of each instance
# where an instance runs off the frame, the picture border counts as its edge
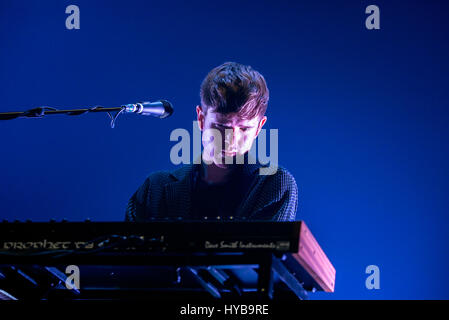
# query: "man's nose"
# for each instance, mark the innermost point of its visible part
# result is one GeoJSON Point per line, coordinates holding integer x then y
{"type": "Point", "coordinates": [233, 136]}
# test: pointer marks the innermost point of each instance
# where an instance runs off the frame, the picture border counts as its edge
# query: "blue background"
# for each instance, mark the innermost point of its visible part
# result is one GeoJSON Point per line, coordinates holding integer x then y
{"type": "Point", "coordinates": [362, 117]}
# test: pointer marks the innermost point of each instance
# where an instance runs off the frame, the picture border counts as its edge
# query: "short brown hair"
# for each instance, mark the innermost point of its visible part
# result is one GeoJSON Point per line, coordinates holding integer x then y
{"type": "Point", "coordinates": [233, 87]}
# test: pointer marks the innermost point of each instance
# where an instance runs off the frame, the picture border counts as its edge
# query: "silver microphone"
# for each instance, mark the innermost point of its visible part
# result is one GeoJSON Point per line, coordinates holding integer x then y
{"type": "Point", "coordinates": [160, 109]}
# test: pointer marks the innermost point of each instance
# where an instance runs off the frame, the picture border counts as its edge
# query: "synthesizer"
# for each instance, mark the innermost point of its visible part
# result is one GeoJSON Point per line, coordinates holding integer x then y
{"type": "Point", "coordinates": [158, 236]}
{"type": "Point", "coordinates": [297, 256]}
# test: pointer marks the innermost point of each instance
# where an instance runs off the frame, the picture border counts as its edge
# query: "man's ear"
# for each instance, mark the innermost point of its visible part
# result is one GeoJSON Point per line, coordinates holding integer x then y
{"type": "Point", "coordinates": [200, 117]}
{"type": "Point", "coordinates": [261, 123]}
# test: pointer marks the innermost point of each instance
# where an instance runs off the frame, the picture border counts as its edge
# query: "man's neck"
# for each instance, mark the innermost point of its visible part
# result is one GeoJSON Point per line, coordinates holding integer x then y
{"type": "Point", "coordinates": [213, 174]}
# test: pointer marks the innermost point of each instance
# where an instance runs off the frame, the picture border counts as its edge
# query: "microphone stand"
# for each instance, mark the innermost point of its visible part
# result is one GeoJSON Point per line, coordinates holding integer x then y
{"type": "Point", "coordinates": [43, 111]}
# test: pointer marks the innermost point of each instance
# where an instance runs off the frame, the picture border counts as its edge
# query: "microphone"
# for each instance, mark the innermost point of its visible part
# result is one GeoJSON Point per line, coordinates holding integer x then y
{"type": "Point", "coordinates": [160, 109]}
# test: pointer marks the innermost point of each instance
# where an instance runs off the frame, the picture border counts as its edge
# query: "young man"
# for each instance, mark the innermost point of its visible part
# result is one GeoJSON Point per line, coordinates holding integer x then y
{"type": "Point", "coordinates": [234, 99]}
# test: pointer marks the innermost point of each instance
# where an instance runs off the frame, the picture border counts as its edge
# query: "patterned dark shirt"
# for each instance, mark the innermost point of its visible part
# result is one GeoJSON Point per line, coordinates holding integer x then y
{"type": "Point", "coordinates": [219, 199]}
{"type": "Point", "coordinates": [247, 195]}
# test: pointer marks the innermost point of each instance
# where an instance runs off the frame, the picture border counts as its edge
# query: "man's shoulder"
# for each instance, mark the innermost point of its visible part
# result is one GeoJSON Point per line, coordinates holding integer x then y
{"type": "Point", "coordinates": [278, 174]}
{"type": "Point", "coordinates": [277, 184]}
{"type": "Point", "coordinates": [285, 175]}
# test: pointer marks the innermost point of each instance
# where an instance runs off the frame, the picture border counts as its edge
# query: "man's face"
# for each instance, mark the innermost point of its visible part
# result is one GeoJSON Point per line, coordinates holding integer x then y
{"type": "Point", "coordinates": [226, 135]}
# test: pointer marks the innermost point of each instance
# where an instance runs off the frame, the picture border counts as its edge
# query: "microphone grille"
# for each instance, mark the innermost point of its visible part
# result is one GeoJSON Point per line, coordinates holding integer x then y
{"type": "Point", "coordinates": [168, 107]}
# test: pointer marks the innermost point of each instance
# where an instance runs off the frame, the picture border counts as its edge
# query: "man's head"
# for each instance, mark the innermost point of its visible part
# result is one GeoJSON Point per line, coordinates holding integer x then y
{"type": "Point", "coordinates": [234, 99]}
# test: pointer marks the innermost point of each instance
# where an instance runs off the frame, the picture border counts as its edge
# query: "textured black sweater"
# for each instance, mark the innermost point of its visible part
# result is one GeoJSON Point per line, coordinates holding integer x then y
{"type": "Point", "coordinates": [248, 195]}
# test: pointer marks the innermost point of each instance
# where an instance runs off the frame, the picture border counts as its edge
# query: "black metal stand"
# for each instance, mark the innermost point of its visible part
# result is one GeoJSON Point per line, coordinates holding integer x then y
{"type": "Point", "coordinates": [213, 272]}
{"type": "Point", "coordinates": [43, 111]}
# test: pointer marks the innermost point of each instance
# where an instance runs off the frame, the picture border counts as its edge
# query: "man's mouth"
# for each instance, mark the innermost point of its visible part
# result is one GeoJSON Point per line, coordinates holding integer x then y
{"type": "Point", "coordinates": [229, 153]}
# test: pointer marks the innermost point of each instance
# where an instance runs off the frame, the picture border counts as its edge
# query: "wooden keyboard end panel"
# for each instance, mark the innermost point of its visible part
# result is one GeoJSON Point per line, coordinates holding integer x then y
{"type": "Point", "coordinates": [313, 259]}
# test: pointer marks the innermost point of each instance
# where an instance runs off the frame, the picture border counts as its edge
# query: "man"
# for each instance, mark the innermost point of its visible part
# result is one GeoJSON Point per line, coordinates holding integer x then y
{"type": "Point", "coordinates": [234, 100]}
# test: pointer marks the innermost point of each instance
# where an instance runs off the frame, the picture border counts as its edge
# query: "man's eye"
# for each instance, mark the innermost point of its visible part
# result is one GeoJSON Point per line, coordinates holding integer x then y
{"type": "Point", "coordinates": [224, 127]}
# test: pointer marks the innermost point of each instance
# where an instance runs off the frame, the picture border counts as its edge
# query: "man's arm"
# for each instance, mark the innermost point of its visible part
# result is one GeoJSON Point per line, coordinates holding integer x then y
{"type": "Point", "coordinates": [137, 202]}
